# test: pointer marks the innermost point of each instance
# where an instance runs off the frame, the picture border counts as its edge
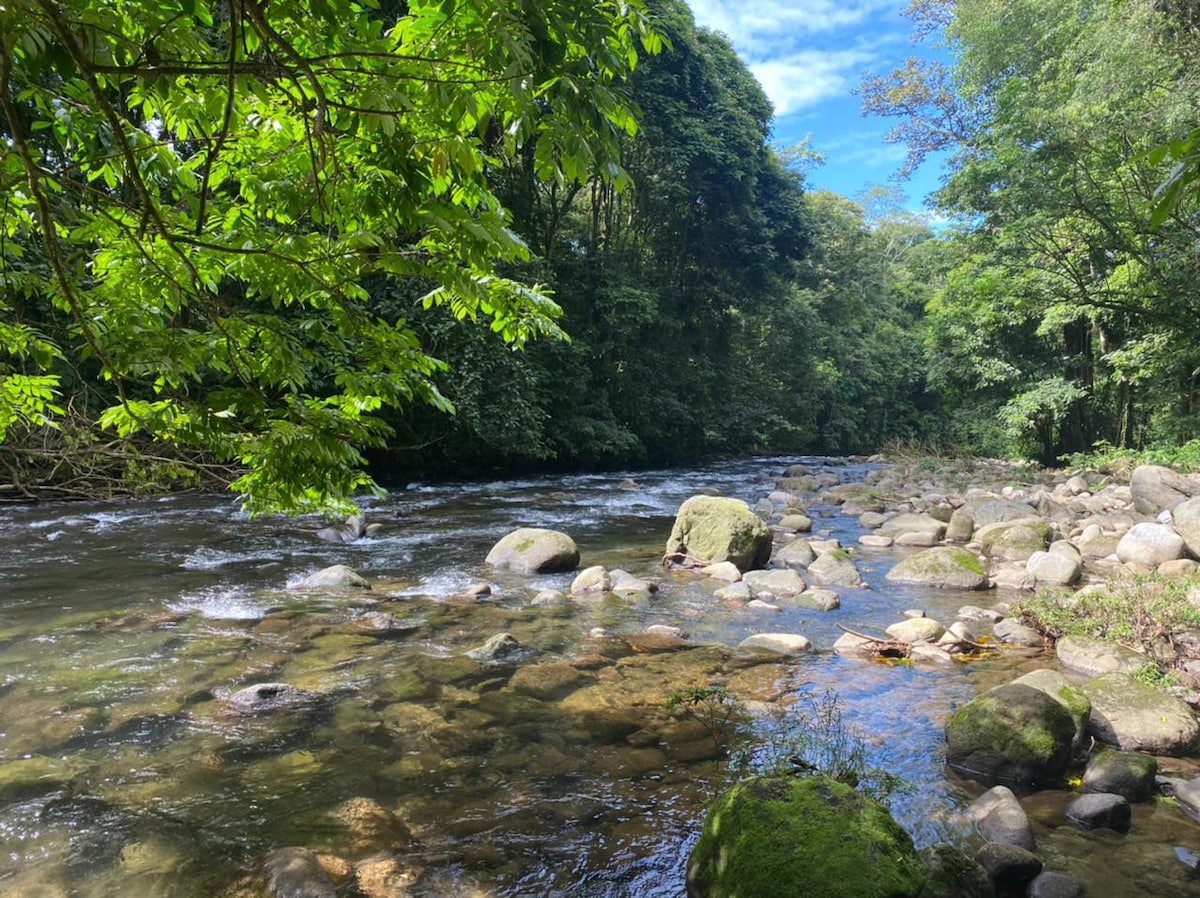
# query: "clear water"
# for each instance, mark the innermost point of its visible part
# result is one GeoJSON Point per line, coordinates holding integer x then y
{"type": "Point", "coordinates": [124, 627]}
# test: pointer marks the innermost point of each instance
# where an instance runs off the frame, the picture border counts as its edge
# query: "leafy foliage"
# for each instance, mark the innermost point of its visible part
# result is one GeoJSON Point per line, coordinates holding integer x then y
{"type": "Point", "coordinates": [197, 192]}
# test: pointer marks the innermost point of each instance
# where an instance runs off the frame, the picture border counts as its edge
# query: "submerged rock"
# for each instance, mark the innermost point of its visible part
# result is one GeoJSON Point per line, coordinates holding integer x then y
{"type": "Point", "coordinates": [952, 874]}
{"type": "Point", "coordinates": [338, 576]}
{"type": "Point", "coordinates": [265, 697]}
{"type": "Point", "coordinates": [500, 647]}
{"type": "Point", "coordinates": [296, 873]}
{"type": "Point", "coordinates": [779, 837]}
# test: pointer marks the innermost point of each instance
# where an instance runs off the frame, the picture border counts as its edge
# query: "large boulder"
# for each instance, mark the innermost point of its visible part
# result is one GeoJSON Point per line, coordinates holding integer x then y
{"type": "Point", "coordinates": [1155, 488]}
{"type": "Point", "coordinates": [1150, 545]}
{"type": "Point", "coordinates": [1012, 735]}
{"type": "Point", "coordinates": [1135, 716]}
{"type": "Point", "coordinates": [337, 576]}
{"type": "Point", "coordinates": [778, 837]}
{"type": "Point", "coordinates": [1062, 690]}
{"type": "Point", "coordinates": [534, 550]}
{"type": "Point", "coordinates": [709, 529]}
{"type": "Point", "coordinates": [942, 566]}
{"type": "Point", "coordinates": [1187, 524]}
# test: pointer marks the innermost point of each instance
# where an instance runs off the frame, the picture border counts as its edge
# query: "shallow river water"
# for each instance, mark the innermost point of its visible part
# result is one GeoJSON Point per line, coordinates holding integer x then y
{"type": "Point", "coordinates": [125, 627]}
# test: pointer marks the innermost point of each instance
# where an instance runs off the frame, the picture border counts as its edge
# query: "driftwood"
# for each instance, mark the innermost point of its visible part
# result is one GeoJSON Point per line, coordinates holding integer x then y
{"type": "Point", "coordinates": [881, 646]}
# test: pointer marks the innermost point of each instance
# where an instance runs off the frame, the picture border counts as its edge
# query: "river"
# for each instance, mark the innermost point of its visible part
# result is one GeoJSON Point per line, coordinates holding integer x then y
{"type": "Point", "coordinates": [125, 627]}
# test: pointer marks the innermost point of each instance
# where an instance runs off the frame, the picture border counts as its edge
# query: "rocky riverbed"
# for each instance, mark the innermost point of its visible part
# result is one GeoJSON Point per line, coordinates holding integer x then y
{"type": "Point", "coordinates": [184, 701]}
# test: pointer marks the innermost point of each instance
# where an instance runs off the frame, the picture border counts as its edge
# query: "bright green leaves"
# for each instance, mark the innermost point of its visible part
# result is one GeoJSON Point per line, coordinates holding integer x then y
{"type": "Point", "coordinates": [199, 192]}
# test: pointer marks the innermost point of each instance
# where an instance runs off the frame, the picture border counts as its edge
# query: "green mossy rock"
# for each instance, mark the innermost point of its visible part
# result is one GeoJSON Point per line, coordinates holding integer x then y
{"type": "Point", "coordinates": [1012, 735]}
{"type": "Point", "coordinates": [776, 837]}
{"type": "Point", "coordinates": [534, 550]}
{"type": "Point", "coordinates": [942, 566]}
{"type": "Point", "coordinates": [710, 529]}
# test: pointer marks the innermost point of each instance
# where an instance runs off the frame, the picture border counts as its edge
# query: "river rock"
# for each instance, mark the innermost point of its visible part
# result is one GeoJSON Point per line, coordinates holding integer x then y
{"type": "Point", "coordinates": [922, 540]}
{"type": "Point", "coordinates": [873, 541]}
{"type": "Point", "coordinates": [820, 599]}
{"type": "Point", "coordinates": [778, 837]}
{"type": "Point", "coordinates": [296, 873]}
{"type": "Point", "coordinates": [782, 582]}
{"type": "Point", "coordinates": [1187, 793]}
{"type": "Point", "coordinates": [1010, 867]}
{"type": "Point", "coordinates": [797, 523]}
{"type": "Point", "coordinates": [1055, 885]}
{"type": "Point", "coordinates": [534, 550]}
{"type": "Point", "coordinates": [835, 568]}
{"type": "Point", "coordinates": [779, 643]}
{"type": "Point", "coordinates": [795, 554]}
{"type": "Point", "coordinates": [1098, 810]}
{"type": "Point", "coordinates": [384, 876]}
{"type": "Point", "coordinates": [1053, 568]}
{"type": "Point", "coordinates": [916, 629]}
{"type": "Point", "coordinates": [1092, 657]}
{"type": "Point", "coordinates": [367, 827]}
{"type": "Point", "coordinates": [999, 817]}
{"type": "Point", "coordinates": [1011, 735]}
{"type": "Point", "coordinates": [912, 523]}
{"type": "Point", "coordinates": [1093, 542]}
{"type": "Point", "coordinates": [1155, 488]}
{"type": "Point", "coordinates": [1014, 540]}
{"type": "Point", "coordinates": [1150, 545]}
{"type": "Point", "coordinates": [1136, 717]}
{"type": "Point", "coordinates": [710, 529]}
{"type": "Point", "coordinates": [337, 576]}
{"type": "Point", "coordinates": [590, 580]}
{"type": "Point", "coordinates": [263, 698]}
{"type": "Point", "coordinates": [1186, 518]}
{"type": "Point", "coordinates": [997, 511]}
{"type": "Point", "coordinates": [856, 646]}
{"type": "Point", "coordinates": [548, 681]}
{"type": "Point", "coordinates": [631, 588]}
{"type": "Point", "coordinates": [961, 526]}
{"type": "Point", "coordinates": [1063, 691]}
{"type": "Point", "coordinates": [943, 566]}
{"type": "Point", "coordinates": [1012, 632]}
{"type": "Point", "coordinates": [949, 873]}
{"type": "Point", "coordinates": [500, 647]}
{"type": "Point", "coordinates": [1125, 773]}
{"type": "Point", "coordinates": [734, 592]}
{"type": "Point", "coordinates": [725, 571]}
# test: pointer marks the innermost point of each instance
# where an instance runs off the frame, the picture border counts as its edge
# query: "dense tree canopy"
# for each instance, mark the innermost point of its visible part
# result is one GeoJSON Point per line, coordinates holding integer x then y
{"type": "Point", "coordinates": [198, 193]}
{"type": "Point", "coordinates": [1070, 315]}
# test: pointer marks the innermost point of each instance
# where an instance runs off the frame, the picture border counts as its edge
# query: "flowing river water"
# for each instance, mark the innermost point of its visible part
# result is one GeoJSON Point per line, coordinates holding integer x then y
{"type": "Point", "coordinates": [126, 626]}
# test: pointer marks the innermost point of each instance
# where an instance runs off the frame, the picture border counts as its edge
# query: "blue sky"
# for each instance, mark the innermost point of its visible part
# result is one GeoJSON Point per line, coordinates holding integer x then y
{"type": "Point", "coordinates": [809, 55]}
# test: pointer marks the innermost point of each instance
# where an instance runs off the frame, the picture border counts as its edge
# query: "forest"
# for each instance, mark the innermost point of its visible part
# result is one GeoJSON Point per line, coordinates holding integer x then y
{"type": "Point", "coordinates": [303, 248]}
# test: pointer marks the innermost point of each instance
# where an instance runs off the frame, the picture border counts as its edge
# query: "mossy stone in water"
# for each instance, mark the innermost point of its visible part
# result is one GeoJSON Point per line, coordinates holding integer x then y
{"type": "Point", "coordinates": [1012, 735]}
{"type": "Point", "coordinates": [942, 566]}
{"type": "Point", "coordinates": [779, 837]}
{"type": "Point", "coordinates": [711, 529]}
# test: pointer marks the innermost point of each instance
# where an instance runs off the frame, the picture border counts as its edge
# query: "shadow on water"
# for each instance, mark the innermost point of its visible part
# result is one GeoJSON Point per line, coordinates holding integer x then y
{"type": "Point", "coordinates": [126, 627]}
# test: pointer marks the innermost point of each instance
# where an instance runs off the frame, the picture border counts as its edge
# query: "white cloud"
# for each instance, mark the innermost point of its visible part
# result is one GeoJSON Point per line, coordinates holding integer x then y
{"type": "Point", "coordinates": [762, 28]}
{"type": "Point", "coordinates": [808, 77]}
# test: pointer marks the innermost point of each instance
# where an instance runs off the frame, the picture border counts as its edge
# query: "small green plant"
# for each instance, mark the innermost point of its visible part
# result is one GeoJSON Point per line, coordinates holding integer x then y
{"type": "Point", "coordinates": [812, 737]}
{"type": "Point", "coordinates": [723, 717]}
{"type": "Point", "coordinates": [1107, 458]}
{"type": "Point", "coordinates": [1139, 611]}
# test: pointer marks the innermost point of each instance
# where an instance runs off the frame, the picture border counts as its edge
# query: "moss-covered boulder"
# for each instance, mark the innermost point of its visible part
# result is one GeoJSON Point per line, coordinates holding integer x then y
{"type": "Point", "coordinates": [779, 837]}
{"type": "Point", "coordinates": [948, 567]}
{"type": "Point", "coordinates": [1015, 540]}
{"type": "Point", "coordinates": [1135, 716]}
{"type": "Point", "coordinates": [1013, 735]}
{"type": "Point", "coordinates": [534, 550]}
{"type": "Point", "coordinates": [709, 529]}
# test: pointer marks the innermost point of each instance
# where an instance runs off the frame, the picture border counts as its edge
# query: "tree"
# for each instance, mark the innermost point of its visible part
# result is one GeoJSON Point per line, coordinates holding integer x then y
{"type": "Point", "coordinates": [196, 193]}
{"type": "Point", "coordinates": [1070, 318]}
